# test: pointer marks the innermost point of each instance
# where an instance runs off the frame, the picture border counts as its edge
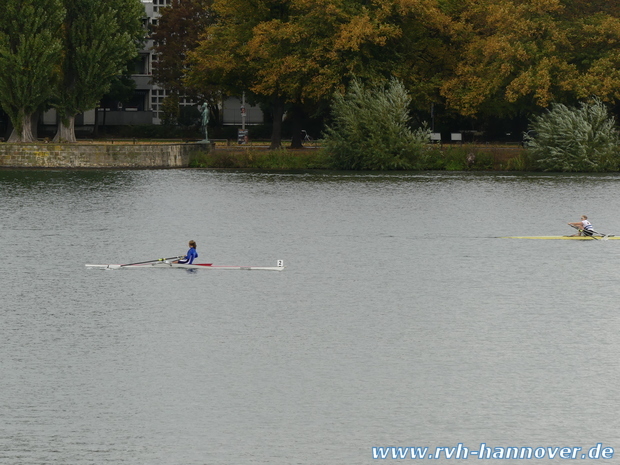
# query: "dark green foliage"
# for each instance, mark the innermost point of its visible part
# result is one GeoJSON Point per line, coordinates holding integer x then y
{"type": "Point", "coordinates": [189, 116]}
{"type": "Point", "coordinates": [30, 49]}
{"type": "Point", "coordinates": [459, 158]}
{"type": "Point", "coordinates": [370, 129]}
{"type": "Point", "coordinates": [261, 159]}
{"type": "Point", "coordinates": [522, 162]}
{"type": "Point", "coordinates": [575, 139]}
{"type": "Point", "coordinates": [451, 158]}
{"type": "Point", "coordinates": [100, 38]}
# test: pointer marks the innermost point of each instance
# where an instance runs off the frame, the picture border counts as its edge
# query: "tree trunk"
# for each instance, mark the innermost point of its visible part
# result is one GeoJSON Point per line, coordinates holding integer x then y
{"type": "Point", "coordinates": [276, 133]}
{"type": "Point", "coordinates": [297, 116]}
{"type": "Point", "coordinates": [34, 124]}
{"type": "Point", "coordinates": [14, 137]}
{"type": "Point", "coordinates": [66, 132]}
{"type": "Point", "coordinates": [96, 127]}
{"type": "Point", "coordinates": [25, 134]}
{"type": "Point", "coordinates": [8, 131]}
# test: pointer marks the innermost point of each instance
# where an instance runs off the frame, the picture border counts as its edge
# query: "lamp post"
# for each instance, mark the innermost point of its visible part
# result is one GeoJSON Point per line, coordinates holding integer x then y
{"type": "Point", "coordinates": [242, 134]}
{"type": "Point", "coordinates": [243, 111]}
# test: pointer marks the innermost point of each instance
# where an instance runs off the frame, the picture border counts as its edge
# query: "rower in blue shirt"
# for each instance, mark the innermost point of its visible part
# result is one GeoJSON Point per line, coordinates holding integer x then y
{"type": "Point", "coordinates": [191, 254]}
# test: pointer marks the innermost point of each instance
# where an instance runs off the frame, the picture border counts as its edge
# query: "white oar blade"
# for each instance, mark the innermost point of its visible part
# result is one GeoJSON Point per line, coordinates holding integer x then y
{"type": "Point", "coordinates": [104, 267]}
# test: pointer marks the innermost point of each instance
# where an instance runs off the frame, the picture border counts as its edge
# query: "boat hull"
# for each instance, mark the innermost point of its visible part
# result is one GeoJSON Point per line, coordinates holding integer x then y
{"type": "Point", "coordinates": [195, 266]}
{"type": "Point", "coordinates": [573, 238]}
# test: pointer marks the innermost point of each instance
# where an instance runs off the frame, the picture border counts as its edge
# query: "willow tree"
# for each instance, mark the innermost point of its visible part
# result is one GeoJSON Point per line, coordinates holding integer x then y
{"type": "Point", "coordinates": [583, 138]}
{"type": "Point", "coordinates": [101, 37]}
{"type": "Point", "coordinates": [371, 129]}
{"type": "Point", "coordinates": [30, 49]}
{"type": "Point", "coordinates": [292, 52]}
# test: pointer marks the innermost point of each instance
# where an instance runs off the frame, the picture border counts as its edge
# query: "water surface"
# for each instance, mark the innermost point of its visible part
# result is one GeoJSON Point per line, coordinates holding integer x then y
{"type": "Point", "coordinates": [402, 317]}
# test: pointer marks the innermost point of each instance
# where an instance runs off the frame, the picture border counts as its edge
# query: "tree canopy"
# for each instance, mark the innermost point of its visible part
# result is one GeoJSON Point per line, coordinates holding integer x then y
{"type": "Point", "coordinates": [100, 38]}
{"type": "Point", "coordinates": [477, 58]}
{"type": "Point", "coordinates": [177, 32]}
{"type": "Point", "coordinates": [30, 50]}
{"type": "Point", "coordinates": [523, 52]}
{"type": "Point", "coordinates": [575, 139]}
{"type": "Point", "coordinates": [63, 54]}
{"type": "Point", "coordinates": [371, 131]}
{"type": "Point", "coordinates": [291, 52]}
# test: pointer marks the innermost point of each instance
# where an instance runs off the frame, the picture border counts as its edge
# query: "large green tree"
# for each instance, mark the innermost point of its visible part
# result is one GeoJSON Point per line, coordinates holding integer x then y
{"type": "Point", "coordinates": [30, 50]}
{"type": "Point", "coordinates": [371, 131]}
{"type": "Point", "coordinates": [100, 38]}
{"type": "Point", "coordinates": [575, 139]}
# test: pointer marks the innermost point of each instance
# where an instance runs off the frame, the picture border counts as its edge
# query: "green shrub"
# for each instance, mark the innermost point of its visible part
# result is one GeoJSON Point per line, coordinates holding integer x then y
{"type": "Point", "coordinates": [522, 162]}
{"type": "Point", "coordinates": [455, 159]}
{"type": "Point", "coordinates": [371, 129]}
{"type": "Point", "coordinates": [482, 161]}
{"type": "Point", "coordinates": [431, 159]}
{"type": "Point", "coordinates": [574, 139]}
{"type": "Point", "coordinates": [460, 158]}
{"type": "Point", "coordinates": [260, 159]}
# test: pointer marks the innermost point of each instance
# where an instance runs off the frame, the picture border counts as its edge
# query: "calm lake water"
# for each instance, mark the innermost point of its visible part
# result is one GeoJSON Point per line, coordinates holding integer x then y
{"type": "Point", "coordinates": [402, 318]}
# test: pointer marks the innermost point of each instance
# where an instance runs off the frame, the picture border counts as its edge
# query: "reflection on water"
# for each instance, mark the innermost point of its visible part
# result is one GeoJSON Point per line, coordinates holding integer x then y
{"type": "Point", "coordinates": [401, 319]}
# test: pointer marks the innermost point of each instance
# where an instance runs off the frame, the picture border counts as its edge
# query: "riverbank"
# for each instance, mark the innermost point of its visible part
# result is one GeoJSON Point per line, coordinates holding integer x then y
{"type": "Point", "coordinates": [132, 153]}
{"type": "Point", "coordinates": [98, 155]}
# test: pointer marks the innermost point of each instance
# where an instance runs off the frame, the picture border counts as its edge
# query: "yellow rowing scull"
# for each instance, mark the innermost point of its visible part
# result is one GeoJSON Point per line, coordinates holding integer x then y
{"type": "Point", "coordinates": [574, 238]}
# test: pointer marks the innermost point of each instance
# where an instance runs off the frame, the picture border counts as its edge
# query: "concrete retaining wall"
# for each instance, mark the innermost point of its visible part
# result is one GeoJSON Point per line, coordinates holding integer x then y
{"type": "Point", "coordinates": [96, 155]}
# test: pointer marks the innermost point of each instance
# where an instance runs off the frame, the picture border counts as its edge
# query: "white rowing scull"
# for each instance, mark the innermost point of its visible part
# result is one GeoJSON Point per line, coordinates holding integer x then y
{"type": "Point", "coordinates": [194, 266]}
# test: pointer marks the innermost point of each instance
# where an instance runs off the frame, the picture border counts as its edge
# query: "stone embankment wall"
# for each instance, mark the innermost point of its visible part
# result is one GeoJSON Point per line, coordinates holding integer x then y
{"type": "Point", "coordinates": [96, 155]}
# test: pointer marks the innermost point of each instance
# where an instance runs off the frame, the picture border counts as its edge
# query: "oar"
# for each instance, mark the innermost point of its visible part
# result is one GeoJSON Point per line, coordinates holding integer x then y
{"type": "Point", "coordinates": [605, 237]}
{"type": "Point", "coordinates": [593, 232]}
{"type": "Point", "coordinates": [152, 261]}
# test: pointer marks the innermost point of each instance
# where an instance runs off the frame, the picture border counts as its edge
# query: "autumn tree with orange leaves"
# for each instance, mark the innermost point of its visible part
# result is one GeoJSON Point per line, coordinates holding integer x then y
{"type": "Point", "coordinates": [491, 58]}
{"type": "Point", "coordinates": [297, 53]}
{"type": "Point", "coordinates": [531, 53]}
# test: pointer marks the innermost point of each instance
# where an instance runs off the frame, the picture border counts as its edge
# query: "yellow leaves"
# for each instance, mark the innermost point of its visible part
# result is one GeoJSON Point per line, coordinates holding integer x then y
{"type": "Point", "coordinates": [477, 51]}
{"type": "Point", "coordinates": [536, 81]}
{"type": "Point", "coordinates": [305, 52]}
{"type": "Point", "coordinates": [427, 12]}
{"type": "Point", "coordinates": [309, 6]}
{"type": "Point", "coordinates": [273, 35]}
{"type": "Point", "coordinates": [542, 7]}
{"type": "Point", "coordinates": [515, 48]}
{"type": "Point", "coordinates": [361, 30]}
{"type": "Point", "coordinates": [601, 79]}
{"type": "Point", "coordinates": [419, 7]}
{"type": "Point", "coordinates": [467, 91]}
{"type": "Point", "coordinates": [604, 30]}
